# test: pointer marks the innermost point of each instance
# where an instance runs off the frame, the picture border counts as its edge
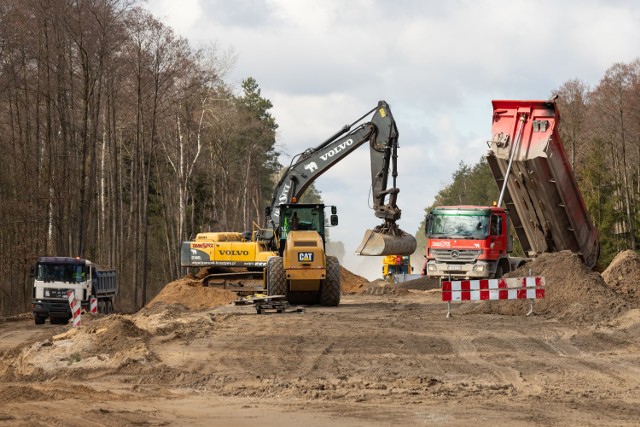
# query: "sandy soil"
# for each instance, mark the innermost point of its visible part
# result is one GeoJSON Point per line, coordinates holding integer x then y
{"type": "Point", "coordinates": [386, 356]}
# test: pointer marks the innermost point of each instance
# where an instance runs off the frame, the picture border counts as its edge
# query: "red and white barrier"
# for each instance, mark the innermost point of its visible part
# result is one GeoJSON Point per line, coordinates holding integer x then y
{"type": "Point", "coordinates": [493, 289]}
{"type": "Point", "coordinates": [75, 306]}
{"type": "Point", "coordinates": [93, 305]}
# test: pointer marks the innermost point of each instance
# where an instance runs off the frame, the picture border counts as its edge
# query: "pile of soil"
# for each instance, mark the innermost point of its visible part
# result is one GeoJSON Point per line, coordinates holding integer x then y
{"type": "Point", "coordinates": [574, 293]}
{"type": "Point", "coordinates": [382, 287]}
{"type": "Point", "coordinates": [351, 283]}
{"type": "Point", "coordinates": [423, 283]}
{"type": "Point", "coordinates": [102, 342]}
{"type": "Point", "coordinates": [193, 295]}
{"type": "Point", "coordinates": [623, 275]}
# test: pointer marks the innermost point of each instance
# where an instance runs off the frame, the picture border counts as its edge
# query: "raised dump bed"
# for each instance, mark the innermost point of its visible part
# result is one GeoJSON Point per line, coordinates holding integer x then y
{"type": "Point", "coordinates": [542, 196]}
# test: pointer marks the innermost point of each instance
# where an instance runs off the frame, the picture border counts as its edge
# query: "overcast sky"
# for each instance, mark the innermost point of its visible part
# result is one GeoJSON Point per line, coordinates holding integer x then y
{"type": "Point", "coordinates": [324, 63]}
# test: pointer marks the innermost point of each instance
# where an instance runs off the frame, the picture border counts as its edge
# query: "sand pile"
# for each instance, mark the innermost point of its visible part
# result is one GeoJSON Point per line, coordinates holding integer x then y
{"type": "Point", "coordinates": [623, 275]}
{"type": "Point", "coordinates": [104, 342]}
{"type": "Point", "coordinates": [574, 293]}
{"type": "Point", "coordinates": [193, 295]}
{"type": "Point", "coordinates": [422, 284]}
{"type": "Point", "coordinates": [382, 287]}
{"type": "Point", "coordinates": [351, 283]}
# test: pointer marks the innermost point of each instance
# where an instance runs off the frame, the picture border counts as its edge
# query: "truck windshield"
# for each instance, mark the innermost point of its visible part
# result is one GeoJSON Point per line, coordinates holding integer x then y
{"type": "Point", "coordinates": [68, 273]}
{"type": "Point", "coordinates": [467, 226]}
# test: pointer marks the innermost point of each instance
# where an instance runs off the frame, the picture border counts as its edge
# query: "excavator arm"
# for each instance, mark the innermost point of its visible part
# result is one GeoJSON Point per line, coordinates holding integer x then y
{"type": "Point", "coordinates": [382, 135]}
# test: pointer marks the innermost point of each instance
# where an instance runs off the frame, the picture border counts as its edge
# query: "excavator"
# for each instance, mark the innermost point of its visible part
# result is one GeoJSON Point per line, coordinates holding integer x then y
{"type": "Point", "coordinates": [291, 246]}
{"type": "Point", "coordinates": [301, 270]}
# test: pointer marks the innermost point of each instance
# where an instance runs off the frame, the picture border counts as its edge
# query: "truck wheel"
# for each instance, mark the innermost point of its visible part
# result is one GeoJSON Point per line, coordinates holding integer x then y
{"type": "Point", "coordinates": [39, 319]}
{"type": "Point", "coordinates": [499, 273]}
{"type": "Point", "coordinates": [109, 306]}
{"type": "Point", "coordinates": [55, 320]}
{"type": "Point", "coordinates": [276, 283]}
{"type": "Point", "coordinates": [330, 289]}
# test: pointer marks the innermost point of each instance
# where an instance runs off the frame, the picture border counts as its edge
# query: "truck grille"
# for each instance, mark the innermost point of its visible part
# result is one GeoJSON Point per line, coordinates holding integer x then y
{"type": "Point", "coordinates": [55, 293]}
{"type": "Point", "coordinates": [461, 255]}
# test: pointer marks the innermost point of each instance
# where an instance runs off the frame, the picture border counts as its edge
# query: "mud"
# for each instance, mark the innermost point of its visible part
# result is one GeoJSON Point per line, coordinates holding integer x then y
{"type": "Point", "coordinates": [386, 356]}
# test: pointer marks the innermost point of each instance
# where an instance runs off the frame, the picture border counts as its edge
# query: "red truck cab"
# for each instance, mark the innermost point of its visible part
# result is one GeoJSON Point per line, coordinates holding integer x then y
{"type": "Point", "coordinates": [467, 242]}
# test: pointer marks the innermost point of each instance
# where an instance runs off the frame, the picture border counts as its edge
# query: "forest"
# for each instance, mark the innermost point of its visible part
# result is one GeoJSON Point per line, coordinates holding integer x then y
{"type": "Point", "coordinates": [119, 140]}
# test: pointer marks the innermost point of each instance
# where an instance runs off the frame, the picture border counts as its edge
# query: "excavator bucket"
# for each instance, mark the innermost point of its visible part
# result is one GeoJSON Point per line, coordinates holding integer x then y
{"type": "Point", "coordinates": [376, 243]}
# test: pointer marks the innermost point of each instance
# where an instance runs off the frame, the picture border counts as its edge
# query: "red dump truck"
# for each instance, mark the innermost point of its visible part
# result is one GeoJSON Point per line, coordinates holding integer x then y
{"type": "Point", "coordinates": [540, 197]}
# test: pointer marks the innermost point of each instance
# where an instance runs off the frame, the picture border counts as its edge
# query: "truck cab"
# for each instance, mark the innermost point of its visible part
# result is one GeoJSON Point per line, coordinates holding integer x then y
{"type": "Point", "coordinates": [468, 242]}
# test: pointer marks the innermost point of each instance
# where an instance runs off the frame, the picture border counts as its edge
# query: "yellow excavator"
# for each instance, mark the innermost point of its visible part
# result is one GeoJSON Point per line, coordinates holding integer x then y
{"type": "Point", "coordinates": [293, 240]}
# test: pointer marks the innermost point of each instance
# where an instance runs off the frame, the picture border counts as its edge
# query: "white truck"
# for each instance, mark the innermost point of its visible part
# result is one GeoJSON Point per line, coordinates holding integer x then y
{"type": "Point", "coordinates": [55, 276]}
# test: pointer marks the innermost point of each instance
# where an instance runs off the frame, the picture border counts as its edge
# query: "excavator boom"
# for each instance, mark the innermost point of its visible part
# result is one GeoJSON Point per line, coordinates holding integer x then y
{"type": "Point", "coordinates": [382, 135]}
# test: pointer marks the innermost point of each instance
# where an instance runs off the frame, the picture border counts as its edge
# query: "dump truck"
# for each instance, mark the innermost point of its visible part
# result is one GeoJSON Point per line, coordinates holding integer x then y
{"type": "Point", "coordinates": [54, 277]}
{"type": "Point", "coordinates": [539, 198]}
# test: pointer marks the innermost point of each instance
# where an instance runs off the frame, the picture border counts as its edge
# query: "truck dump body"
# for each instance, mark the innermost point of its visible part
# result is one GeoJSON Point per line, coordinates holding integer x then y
{"type": "Point", "coordinates": [542, 196]}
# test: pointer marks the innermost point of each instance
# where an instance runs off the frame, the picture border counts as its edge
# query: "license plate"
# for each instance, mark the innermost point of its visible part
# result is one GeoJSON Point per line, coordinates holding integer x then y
{"type": "Point", "coordinates": [455, 267]}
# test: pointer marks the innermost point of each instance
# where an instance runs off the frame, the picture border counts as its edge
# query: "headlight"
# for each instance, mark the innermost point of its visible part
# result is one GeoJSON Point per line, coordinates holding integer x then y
{"type": "Point", "coordinates": [478, 267]}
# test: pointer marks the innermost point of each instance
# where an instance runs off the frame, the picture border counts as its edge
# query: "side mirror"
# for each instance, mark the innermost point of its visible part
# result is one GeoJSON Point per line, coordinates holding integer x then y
{"type": "Point", "coordinates": [427, 221]}
{"type": "Point", "coordinates": [334, 210]}
{"type": "Point", "coordinates": [267, 211]}
{"type": "Point", "coordinates": [334, 219]}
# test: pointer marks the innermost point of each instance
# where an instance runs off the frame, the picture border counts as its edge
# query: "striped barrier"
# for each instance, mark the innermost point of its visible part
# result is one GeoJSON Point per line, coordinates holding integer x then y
{"type": "Point", "coordinates": [75, 307]}
{"type": "Point", "coordinates": [530, 288]}
{"type": "Point", "coordinates": [93, 305]}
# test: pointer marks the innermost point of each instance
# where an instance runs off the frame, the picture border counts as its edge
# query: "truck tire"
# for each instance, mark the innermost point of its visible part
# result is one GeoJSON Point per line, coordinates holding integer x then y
{"type": "Point", "coordinates": [330, 289]}
{"type": "Point", "coordinates": [276, 283]}
{"type": "Point", "coordinates": [498, 274]}
{"type": "Point", "coordinates": [39, 319]}
{"type": "Point", "coordinates": [57, 320]}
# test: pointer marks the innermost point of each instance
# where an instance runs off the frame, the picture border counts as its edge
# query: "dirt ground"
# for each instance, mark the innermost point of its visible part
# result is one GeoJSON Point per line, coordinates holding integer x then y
{"type": "Point", "coordinates": [386, 356]}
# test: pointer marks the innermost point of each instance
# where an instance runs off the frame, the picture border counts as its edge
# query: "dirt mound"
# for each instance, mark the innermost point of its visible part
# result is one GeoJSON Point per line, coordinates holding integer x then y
{"type": "Point", "coordinates": [351, 283]}
{"type": "Point", "coordinates": [382, 287]}
{"type": "Point", "coordinates": [104, 342]}
{"type": "Point", "coordinates": [573, 292]}
{"type": "Point", "coordinates": [422, 284]}
{"type": "Point", "coordinates": [623, 275]}
{"type": "Point", "coordinates": [193, 295]}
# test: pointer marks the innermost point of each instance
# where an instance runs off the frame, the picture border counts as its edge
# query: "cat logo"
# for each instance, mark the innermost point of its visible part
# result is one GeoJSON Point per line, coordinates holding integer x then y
{"type": "Point", "coordinates": [305, 256]}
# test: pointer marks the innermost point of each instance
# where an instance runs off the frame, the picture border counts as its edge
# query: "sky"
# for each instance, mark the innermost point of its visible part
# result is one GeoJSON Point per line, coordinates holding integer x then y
{"type": "Point", "coordinates": [439, 64]}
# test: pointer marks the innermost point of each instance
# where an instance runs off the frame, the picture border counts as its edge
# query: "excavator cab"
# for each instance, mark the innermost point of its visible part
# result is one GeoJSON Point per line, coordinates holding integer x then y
{"type": "Point", "coordinates": [300, 217]}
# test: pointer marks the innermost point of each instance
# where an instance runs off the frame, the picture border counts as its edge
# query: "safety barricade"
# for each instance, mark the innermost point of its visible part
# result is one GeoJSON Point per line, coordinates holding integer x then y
{"type": "Point", "coordinates": [512, 288]}
{"type": "Point", "coordinates": [93, 305]}
{"type": "Point", "coordinates": [75, 307]}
